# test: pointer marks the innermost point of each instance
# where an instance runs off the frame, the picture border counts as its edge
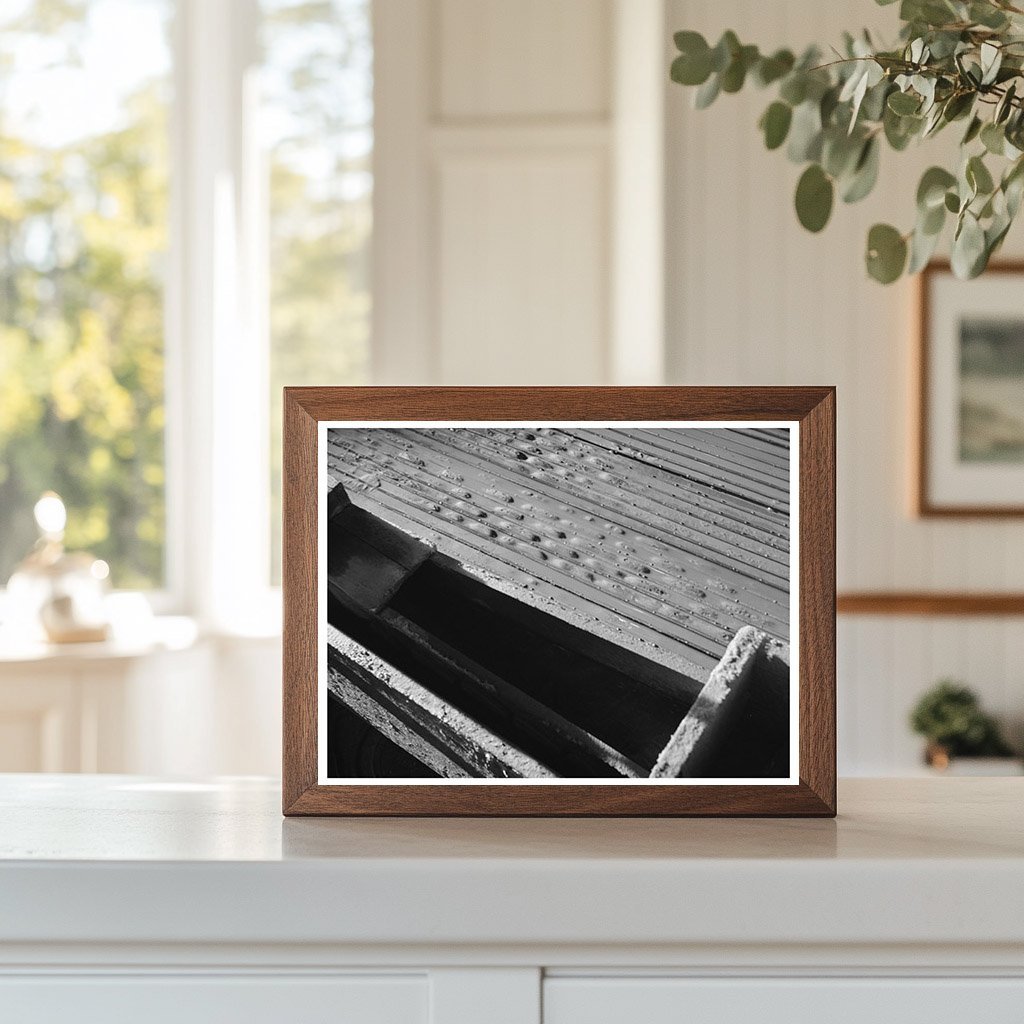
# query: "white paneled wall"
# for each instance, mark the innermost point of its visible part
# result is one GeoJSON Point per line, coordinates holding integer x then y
{"type": "Point", "coordinates": [522, 251]}
{"type": "Point", "coordinates": [521, 203]}
{"type": "Point", "coordinates": [497, 207]}
{"type": "Point", "coordinates": [753, 299]}
{"type": "Point", "coordinates": [557, 67]}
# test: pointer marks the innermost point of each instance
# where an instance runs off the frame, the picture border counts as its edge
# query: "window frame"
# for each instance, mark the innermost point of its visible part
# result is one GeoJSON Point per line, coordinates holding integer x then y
{"type": "Point", "coordinates": [215, 321]}
{"type": "Point", "coordinates": [217, 346]}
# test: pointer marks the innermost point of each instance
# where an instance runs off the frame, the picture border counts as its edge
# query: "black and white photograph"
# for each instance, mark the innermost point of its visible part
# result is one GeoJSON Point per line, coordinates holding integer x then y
{"type": "Point", "coordinates": [602, 603]}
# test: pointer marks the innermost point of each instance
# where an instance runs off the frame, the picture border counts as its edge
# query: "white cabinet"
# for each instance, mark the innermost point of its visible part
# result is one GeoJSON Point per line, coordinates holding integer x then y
{"type": "Point", "coordinates": [203, 999]}
{"type": "Point", "coordinates": [479, 996]}
{"type": "Point", "coordinates": [668, 1000]}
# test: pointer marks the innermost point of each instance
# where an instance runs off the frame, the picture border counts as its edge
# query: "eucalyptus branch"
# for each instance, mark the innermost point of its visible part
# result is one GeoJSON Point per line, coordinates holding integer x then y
{"type": "Point", "coordinates": [955, 59]}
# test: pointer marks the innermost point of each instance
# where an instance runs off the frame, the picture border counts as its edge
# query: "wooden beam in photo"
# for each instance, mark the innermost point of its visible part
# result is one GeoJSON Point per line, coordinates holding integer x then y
{"type": "Point", "coordinates": [716, 708]}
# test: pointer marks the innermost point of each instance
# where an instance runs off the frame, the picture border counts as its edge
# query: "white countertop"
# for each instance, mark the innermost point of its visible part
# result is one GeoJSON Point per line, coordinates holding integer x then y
{"type": "Point", "coordinates": [120, 859]}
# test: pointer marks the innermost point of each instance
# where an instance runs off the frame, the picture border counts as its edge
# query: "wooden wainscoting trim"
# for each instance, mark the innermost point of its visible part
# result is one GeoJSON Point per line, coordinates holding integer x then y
{"type": "Point", "coordinates": [929, 603]}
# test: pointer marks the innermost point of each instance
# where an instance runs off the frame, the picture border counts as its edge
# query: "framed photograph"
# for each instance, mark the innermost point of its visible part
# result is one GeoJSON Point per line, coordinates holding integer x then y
{"type": "Point", "coordinates": [970, 444]}
{"type": "Point", "coordinates": [559, 601]}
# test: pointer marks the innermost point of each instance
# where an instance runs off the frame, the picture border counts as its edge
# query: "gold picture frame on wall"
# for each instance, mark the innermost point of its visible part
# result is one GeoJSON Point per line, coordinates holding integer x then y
{"type": "Point", "coordinates": [969, 448]}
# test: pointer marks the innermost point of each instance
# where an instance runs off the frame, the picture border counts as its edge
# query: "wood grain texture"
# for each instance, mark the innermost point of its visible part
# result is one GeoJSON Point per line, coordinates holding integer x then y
{"type": "Point", "coordinates": [299, 593]}
{"type": "Point", "coordinates": [922, 502]}
{"type": "Point", "coordinates": [925, 603]}
{"type": "Point", "coordinates": [817, 612]}
{"type": "Point", "coordinates": [812, 407]}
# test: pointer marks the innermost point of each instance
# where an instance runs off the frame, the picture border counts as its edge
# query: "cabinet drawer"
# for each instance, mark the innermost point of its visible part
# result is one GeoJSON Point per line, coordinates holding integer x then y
{"type": "Point", "coordinates": [202, 999]}
{"type": "Point", "coordinates": [783, 1001]}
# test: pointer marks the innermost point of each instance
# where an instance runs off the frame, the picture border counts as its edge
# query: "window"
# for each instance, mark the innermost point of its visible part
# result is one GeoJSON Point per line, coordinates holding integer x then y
{"type": "Point", "coordinates": [83, 235]}
{"type": "Point", "coordinates": [185, 221]}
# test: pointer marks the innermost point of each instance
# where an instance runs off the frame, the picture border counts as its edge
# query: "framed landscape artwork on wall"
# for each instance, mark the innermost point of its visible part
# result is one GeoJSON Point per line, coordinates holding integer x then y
{"type": "Point", "coordinates": [970, 444]}
{"type": "Point", "coordinates": [587, 601]}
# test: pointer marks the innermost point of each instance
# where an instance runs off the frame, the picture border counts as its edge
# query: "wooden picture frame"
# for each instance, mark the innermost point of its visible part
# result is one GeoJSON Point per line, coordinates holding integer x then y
{"type": "Point", "coordinates": [934, 476]}
{"type": "Point", "coordinates": [808, 791]}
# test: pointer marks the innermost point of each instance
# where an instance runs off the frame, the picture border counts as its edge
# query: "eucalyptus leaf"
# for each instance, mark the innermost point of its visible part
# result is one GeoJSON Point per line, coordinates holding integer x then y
{"type": "Point", "coordinates": [817, 84]}
{"type": "Point", "coordinates": [968, 248]}
{"type": "Point", "coordinates": [886, 253]}
{"type": "Point", "coordinates": [944, 44]}
{"type": "Point", "coordinates": [931, 190]}
{"type": "Point", "coordinates": [814, 196]}
{"type": "Point", "coordinates": [689, 69]}
{"type": "Point", "coordinates": [1013, 186]}
{"type": "Point", "coordinates": [970, 71]}
{"type": "Point", "coordinates": [794, 88]}
{"type": "Point", "coordinates": [925, 87]}
{"type": "Point", "coordinates": [1013, 127]}
{"type": "Point", "coordinates": [867, 74]}
{"type": "Point", "coordinates": [900, 130]}
{"type": "Point", "coordinates": [724, 51]}
{"type": "Point", "coordinates": [865, 173]}
{"type": "Point", "coordinates": [991, 60]}
{"type": "Point", "coordinates": [922, 247]}
{"type": "Point", "coordinates": [987, 15]}
{"type": "Point", "coordinates": [993, 138]}
{"type": "Point", "coordinates": [828, 104]}
{"type": "Point", "coordinates": [903, 103]}
{"type": "Point", "coordinates": [771, 69]}
{"type": "Point", "coordinates": [995, 233]}
{"type": "Point", "coordinates": [690, 42]}
{"type": "Point", "coordinates": [966, 187]}
{"type": "Point", "coordinates": [805, 133]}
{"type": "Point", "coordinates": [933, 122]}
{"type": "Point", "coordinates": [1014, 192]}
{"type": "Point", "coordinates": [1005, 104]}
{"type": "Point", "coordinates": [873, 106]}
{"type": "Point", "coordinates": [840, 152]}
{"type": "Point", "coordinates": [973, 130]}
{"type": "Point", "coordinates": [958, 105]}
{"type": "Point", "coordinates": [978, 176]}
{"type": "Point", "coordinates": [775, 124]}
{"type": "Point", "coordinates": [930, 12]}
{"type": "Point", "coordinates": [735, 74]}
{"type": "Point", "coordinates": [707, 93]}
{"type": "Point", "coordinates": [932, 221]}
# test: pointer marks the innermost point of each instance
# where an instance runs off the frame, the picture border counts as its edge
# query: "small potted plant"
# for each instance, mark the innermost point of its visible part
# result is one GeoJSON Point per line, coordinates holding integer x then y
{"type": "Point", "coordinates": [950, 718]}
